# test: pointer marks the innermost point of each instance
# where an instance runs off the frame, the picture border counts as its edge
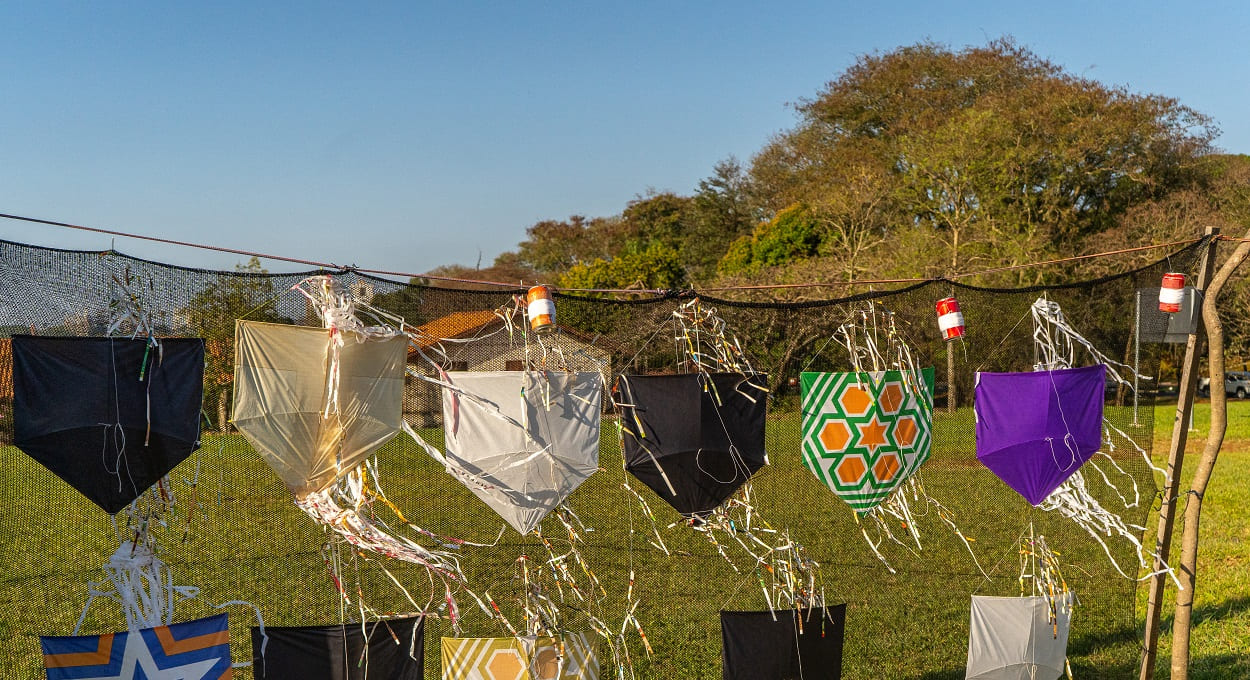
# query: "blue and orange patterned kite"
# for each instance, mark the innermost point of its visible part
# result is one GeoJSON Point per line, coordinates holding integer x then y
{"type": "Point", "coordinates": [194, 650]}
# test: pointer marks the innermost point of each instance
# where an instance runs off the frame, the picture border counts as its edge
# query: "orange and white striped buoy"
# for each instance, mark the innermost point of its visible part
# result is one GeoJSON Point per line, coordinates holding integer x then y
{"type": "Point", "coordinates": [1172, 292]}
{"type": "Point", "coordinates": [540, 309]}
{"type": "Point", "coordinates": [950, 319]}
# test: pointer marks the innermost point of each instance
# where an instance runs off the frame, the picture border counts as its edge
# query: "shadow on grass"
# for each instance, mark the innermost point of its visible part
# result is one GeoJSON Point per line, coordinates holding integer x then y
{"type": "Point", "coordinates": [1214, 612]}
{"type": "Point", "coordinates": [1209, 612]}
{"type": "Point", "coordinates": [1219, 666]}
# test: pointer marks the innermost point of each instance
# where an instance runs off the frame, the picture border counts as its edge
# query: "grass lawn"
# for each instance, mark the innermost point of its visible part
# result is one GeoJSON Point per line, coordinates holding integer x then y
{"type": "Point", "coordinates": [247, 541]}
{"type": "Point", "coordinates": [1220, 639]}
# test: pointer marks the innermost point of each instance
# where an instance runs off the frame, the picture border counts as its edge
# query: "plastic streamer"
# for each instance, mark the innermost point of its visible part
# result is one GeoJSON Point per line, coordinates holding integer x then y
{"type": "Point", "coordinates": [1057, 345]}
{"type": "Point", "coordinates": [1041, 575]}
{"type": "Point", "coordinates": [348, 508]}
{"type": "Point", "coordinates": [875, 342]}
{"type": "Point", "coordinates": [786, 576]}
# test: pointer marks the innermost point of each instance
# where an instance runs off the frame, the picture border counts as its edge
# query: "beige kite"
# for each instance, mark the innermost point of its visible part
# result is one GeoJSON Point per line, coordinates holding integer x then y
{"type": "Point", "coordinates": [311, 418]}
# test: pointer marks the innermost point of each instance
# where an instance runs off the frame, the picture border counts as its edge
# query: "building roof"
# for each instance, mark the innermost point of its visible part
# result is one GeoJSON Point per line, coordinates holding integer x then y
{"type": "Point", "coordinates": [454, 325]}
{"type": "Point", "coordinates": [461, 325]}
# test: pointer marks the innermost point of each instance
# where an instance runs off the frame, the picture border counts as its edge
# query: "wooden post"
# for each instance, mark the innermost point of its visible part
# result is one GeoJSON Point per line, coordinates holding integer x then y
{"type": "Point", "coordinates": [1176, 458]}
{"type": "Point", "coordinates": [952, 394]}
{"type": "Point", "coordinates": [1187, 569]}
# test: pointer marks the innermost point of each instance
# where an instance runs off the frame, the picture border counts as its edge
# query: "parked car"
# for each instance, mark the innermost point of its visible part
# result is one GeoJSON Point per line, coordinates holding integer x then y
{"type": "Point", "coordinates": [1236, 383]}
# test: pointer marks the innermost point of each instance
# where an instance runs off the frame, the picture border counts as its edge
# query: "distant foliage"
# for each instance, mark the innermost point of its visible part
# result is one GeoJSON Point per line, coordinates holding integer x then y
{"type": "Point", "coordinates": [656, 267]}
{"type": "Point", "coordinates": [793, 234]}
{"type": "Point", "coordinates": [247, 293]}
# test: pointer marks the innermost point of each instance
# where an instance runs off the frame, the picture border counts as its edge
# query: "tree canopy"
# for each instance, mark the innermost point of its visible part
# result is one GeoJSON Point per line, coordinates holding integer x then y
{"type": "Point", "coordinates": [246, 293]}
{"type": "Point", "coordinates": [920, 161]}
{"type": "Point", "coordinates": [987, 155]}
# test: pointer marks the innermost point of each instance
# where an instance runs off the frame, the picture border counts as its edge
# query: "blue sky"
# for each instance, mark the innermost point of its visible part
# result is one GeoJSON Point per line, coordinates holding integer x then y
{"type": "Point", "coordinates": [402, 136]}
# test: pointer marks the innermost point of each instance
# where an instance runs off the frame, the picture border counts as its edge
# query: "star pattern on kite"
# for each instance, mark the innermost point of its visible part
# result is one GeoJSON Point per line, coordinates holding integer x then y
{"type": "Point", "coordinates": [193, 650]}
{"type": "Point", "coordinates": [872, 435]}
{"type": "Point", "coordinates": [138, 662]}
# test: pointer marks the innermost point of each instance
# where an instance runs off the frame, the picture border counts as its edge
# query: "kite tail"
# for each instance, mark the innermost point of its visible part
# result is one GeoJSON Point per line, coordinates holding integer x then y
{"type": "Point", "coordinates": [898, 507]}
{"type": "Point", "coordinates": [1056, 342]}
{"type": "Point", "coordinates": [140, 582]}
{"type": "Point", "coordinates": [360, 532]}
{"type": "Point", "coordinates": [1073, 500]}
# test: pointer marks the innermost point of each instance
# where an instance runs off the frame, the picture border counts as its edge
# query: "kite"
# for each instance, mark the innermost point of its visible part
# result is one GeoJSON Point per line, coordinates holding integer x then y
{"type": "Point", "coordinates": [786, 644]}
{"type": "Point", "coordinates": [1038, 430]}
{"type": "Point", "coordinates": [864, 434]}
{"type": "Point", "coordinates": [310, 419]}
{"type": "Point", "coordinates": [113, 416]}
{"type": "Point", "coordinates": [696, 439]}
{"type": "Point", "coordinates": [395, 649]}
{"type": "Point", "coordinates": [1034, 430]}
{"type": "Point", "coordinates": [693, 438]}
{"type": "Point", "coordinates": [1011, 638]}
{"type": "Point", "coordinates": [522, 441]}
{"type": "Point", "coordinates": [110, 416]}
{"type": "Point", "coordinates": [568, 657]}
{"type": "Point", "coordinates": [1024, 637]}
{"type": "Point", "coordinates": [867, 432]}
{"type": "Point", "coordinates": [316, 403]}
{"type": "Point", "coordinates": [193, 649]}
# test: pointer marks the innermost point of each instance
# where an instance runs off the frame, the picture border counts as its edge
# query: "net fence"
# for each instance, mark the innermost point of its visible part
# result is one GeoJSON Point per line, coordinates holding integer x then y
{"type": "Point", "coordinates": [236, 535]}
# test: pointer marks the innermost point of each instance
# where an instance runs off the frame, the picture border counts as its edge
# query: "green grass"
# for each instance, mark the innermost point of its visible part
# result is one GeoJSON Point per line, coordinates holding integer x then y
{"type": "Point", "coordinates": [247, 541]}
{"type": "Point", "coordinates": [1220, 638]}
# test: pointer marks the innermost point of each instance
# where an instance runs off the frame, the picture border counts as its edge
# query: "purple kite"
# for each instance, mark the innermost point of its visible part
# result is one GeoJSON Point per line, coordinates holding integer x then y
{"type": "Point", "coordinates": [1035, 429]}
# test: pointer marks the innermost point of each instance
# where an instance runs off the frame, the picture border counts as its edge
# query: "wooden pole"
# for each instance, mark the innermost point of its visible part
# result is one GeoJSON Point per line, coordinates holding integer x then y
{"type": "Point", "coordinates": [1187, 570]}
{"type": "Point", "coordinates": [952, 394]}
{"type": "Point", "coordinates": [1176, 458]}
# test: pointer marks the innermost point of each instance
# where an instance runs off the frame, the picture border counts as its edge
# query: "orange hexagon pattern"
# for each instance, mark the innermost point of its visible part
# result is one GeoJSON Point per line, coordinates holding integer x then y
{"type": "Point", "coordinates": [891, 398]}
{"type": "Point", "coordinates": [851, 469]}
{"type": "Point", "coordinates": [834, 436]}
{"type": "Point", "coordinates": [506, 664]}
{"type": "Point", "coordinates": [886, 467]}
{"type": "Point", "coordinates": [865, 433]}
{"type": "Point", "coordinates": [905, 431]}
{"type": "Point", "coordinates": [855, 401]}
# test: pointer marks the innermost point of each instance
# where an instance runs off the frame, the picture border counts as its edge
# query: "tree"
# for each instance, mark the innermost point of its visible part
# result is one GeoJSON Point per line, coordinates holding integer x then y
{"type": "Point", "coordinates": [722, 211]}
{"type": "Point", "coordinates": [246, 293]}
{"type": "Point", "coordinates": [993, 151]}
{"type": "Point", "coordinates": [656, 267]}
{"type": "Point", "coordinates": [792, 234]}
{"type": "Point", "coordinates": [988, 155]}
{"type": "Point", "coordinates": [405, 302]}
{"type": "Point", "coordinates": [552, 246]}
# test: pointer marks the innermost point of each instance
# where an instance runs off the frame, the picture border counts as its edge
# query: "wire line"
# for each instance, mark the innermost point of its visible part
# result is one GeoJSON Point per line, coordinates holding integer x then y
{"type": "Point", "coordinates": [615, 291]}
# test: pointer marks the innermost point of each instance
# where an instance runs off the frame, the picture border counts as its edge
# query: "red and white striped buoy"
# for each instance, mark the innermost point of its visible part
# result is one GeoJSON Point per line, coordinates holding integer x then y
{"type": "Point", "coordinates": [950, 319]}
{"type": "Point", "coordinates": [1172, 292]}
{"type": "Point", "coordinates": [541, 310]}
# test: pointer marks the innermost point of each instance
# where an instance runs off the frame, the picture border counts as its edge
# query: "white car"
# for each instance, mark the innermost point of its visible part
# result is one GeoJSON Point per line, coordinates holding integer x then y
{"type": "Point", "coordinates": [1236, 383]}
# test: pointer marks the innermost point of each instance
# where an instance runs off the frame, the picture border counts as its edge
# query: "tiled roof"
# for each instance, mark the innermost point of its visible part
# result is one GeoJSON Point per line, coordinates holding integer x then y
{"type": "Point", "coordinates": [454, 325]}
